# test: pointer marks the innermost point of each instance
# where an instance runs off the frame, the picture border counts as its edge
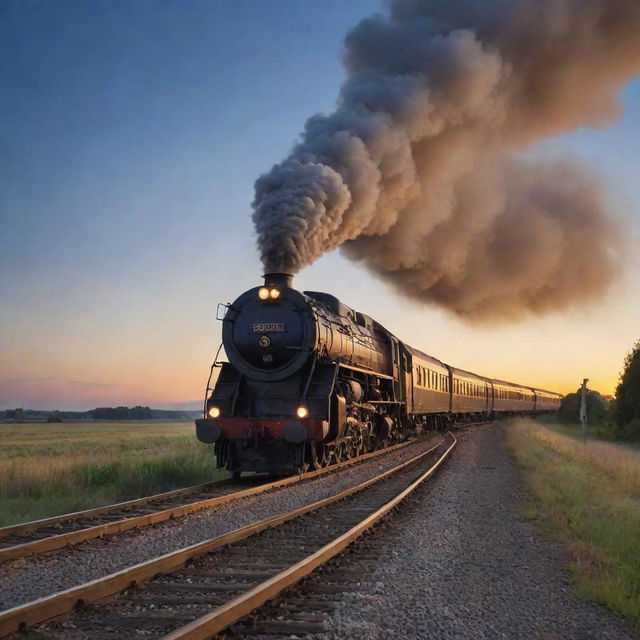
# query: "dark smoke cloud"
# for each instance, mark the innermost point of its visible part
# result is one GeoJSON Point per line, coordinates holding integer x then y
{"type": "Point", "coordinates": [420, 172]}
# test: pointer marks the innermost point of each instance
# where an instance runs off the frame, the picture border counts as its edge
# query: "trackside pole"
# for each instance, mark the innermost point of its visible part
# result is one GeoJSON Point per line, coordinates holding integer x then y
{"type": "Point", "coordinates": [583, 409]}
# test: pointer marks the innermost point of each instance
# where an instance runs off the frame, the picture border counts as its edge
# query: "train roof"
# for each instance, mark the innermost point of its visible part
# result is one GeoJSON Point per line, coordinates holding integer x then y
{"type": "Point", "coordinates": [424, 356]}
{"type": "Point", "coordinates": [506, 383]}
{"type": "Point", "coordinates": [551, 393]}
{"type": "Point", "coordinates": [467, 374]}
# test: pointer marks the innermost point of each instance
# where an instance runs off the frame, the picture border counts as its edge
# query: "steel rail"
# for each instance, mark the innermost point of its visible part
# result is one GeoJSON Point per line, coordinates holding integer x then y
{"type": "Point", "coordinates": [62, 540]}
{"type": "Point", "coordinates": [223, 616]}
{"type": "Point", "coordinates": [26, 615]}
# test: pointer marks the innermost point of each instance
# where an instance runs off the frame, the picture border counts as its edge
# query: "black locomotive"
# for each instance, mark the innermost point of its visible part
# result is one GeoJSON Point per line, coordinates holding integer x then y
{"type": "Point", "coordinates": [311, 382]}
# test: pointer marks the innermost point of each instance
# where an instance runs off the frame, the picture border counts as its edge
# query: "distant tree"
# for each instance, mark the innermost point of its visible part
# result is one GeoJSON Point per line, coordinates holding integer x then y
{"type": "Point", "coordinates": [140, 413]}
{"type": "Point", "coordinates": [19, 415]}
{"type": "Point", "coordinates": [121, 413]}
{"type": "Point", "coordinates": [627, 404]}
{"type": "Point", "coordinates": [597, 409]}
{"type": "Point", "coordinates": [54, 416]}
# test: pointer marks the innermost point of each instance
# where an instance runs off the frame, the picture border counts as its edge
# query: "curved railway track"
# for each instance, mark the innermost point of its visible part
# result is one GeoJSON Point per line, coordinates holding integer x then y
{"type": "Point", "coordinates": [51, 534]}
{"type": "Point", "coordinates": [198, 591]}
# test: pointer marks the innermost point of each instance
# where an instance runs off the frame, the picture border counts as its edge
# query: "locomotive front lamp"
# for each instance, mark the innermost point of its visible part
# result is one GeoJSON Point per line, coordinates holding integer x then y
{"type": "Point", "coordinates": [302, 412]}
{"type": "Point", "coordinates": [274, 293]}
{"type": "Point", "coordinates": [263, 293]}
{"type": "Point", "coordinates": [214, 412]}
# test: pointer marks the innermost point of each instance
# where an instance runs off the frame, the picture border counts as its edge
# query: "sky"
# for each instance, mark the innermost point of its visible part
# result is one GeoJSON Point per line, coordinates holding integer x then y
{"type": "Point", "coordinates": [131, 134]}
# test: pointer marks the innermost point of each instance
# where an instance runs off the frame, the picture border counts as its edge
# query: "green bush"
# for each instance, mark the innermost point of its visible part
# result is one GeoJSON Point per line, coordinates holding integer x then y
{"type": "Point", "coordinates": [600, 420]}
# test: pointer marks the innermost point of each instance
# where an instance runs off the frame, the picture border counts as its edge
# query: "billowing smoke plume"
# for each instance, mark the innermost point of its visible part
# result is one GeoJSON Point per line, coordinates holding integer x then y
{"type": "Point", "coordinates": [421, 171]}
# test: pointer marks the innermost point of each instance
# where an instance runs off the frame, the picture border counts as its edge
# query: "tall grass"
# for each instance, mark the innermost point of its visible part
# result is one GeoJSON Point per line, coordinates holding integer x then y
{"type": "Point", "coordinates": [46, 470]}
{"type": "Point", "coordinates": [587, 495]}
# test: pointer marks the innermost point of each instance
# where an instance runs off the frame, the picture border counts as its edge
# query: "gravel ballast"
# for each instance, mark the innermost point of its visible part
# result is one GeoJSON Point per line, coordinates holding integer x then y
{"type": "Point", "coordinates": [27, 579]}
{"type": "Point", "coordinates": [456, 561]}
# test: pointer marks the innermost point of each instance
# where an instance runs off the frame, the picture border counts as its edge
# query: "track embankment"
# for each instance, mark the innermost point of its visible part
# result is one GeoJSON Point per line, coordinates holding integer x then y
{"type": "Point", "coordinates": [456, 561]}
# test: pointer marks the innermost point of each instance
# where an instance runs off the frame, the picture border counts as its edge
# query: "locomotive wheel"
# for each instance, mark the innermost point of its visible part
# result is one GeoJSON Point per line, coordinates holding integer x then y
{"type": "Point", "coordinates": [334, 454]}
{"type": "Point", "coordinates": [319, 456]}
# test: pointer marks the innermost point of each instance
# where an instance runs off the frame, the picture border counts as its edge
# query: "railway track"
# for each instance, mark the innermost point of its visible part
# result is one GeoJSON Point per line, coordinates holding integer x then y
{"type": "Point", "coordinates": [198, 591]}
{"type": "Point", "coordinates": [51, 534]}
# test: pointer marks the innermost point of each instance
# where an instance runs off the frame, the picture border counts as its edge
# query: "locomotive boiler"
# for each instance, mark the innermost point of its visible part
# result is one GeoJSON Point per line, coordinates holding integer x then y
{"type": "Point", "coordinates": [310, 381]}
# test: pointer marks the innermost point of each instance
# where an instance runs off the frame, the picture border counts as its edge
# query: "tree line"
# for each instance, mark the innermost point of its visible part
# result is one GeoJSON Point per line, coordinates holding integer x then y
{"type": "Point", "coordinates": [121, 413]}
{"type": "Point", "coordinates": [99, 413]}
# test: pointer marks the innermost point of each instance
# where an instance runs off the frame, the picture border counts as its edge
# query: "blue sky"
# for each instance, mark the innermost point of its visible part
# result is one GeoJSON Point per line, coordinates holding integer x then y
{"type": "Point", "coordinates": [131, 135]}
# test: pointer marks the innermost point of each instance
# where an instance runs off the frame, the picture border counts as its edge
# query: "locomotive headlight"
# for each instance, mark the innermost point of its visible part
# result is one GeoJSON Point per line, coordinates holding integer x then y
{"type": "Point", "coordinates": [263, 293]}
{"type": "Point", "coordinates": [214, 412]}
{"type": "Point", "coordinates": [302, 412]}
{"type": "Point", "coordinates": [274, 293]}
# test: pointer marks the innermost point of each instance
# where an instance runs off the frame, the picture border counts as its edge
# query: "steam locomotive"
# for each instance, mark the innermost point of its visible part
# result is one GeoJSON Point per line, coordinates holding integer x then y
{"type": "Point", "coordinates": [311, 382]}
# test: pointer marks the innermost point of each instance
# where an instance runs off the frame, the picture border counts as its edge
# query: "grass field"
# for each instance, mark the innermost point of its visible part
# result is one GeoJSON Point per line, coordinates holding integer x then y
{"type": "Point", "coordinates": [49, 469]}
{"type": "Point", "coordinates": [589, 497]}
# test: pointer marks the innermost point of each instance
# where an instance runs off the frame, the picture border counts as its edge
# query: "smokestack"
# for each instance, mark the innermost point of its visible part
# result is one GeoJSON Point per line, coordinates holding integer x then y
{"type": "Point", "coordinates": [278, 280]}
{"type": "Point", "coordinates": [424, 172]}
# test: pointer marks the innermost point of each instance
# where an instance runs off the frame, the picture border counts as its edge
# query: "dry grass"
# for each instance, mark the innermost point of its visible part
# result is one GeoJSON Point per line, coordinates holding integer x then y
{"type": "Point", "coordinates": [618, 459]}
{"type": "Point", "coordinates": [588, 496]}
{"type": "Point", "coordinates": [48, 469]}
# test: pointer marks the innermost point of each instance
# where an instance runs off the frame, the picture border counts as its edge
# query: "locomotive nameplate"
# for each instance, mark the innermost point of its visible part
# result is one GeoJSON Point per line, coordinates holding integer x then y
{"type": "Point", "coordinates": [268, 327]}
